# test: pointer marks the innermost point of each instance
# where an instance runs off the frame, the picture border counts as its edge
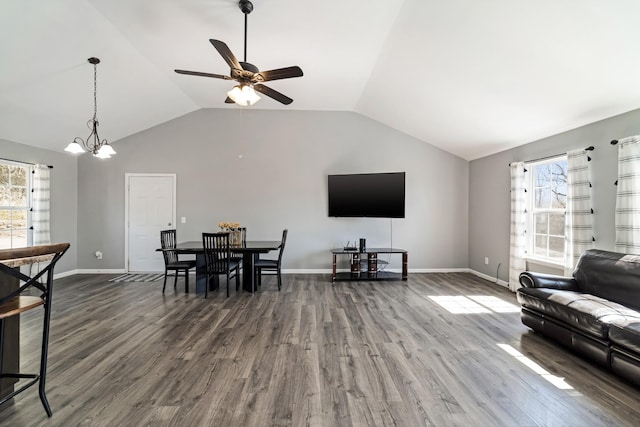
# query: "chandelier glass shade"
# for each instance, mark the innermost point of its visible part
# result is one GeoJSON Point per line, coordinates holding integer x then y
{"type": "Point", "coordinates": [93, 144]}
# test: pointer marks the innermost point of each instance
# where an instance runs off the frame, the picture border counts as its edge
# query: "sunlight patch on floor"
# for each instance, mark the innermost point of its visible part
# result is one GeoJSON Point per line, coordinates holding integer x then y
{"type": "Point", "coordinates": [460, 304]}
{"type": "Point", "coordinates": [559, 382]}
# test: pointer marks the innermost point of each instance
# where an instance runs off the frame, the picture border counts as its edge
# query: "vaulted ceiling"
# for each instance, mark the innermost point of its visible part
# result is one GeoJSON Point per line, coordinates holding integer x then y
{"type": "Point", "coordinates": [471, 77]}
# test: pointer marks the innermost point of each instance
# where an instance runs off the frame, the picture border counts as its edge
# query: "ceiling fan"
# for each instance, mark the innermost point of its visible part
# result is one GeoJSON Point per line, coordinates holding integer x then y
{"type": "Point", "coordinates": [249, 77]}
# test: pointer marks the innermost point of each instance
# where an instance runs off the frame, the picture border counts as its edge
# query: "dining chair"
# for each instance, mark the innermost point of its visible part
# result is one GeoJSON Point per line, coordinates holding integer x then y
{"type": "Point", "coordinates": [217, 254]}
{"type": "Point", "coordinates": [172, 262]}
{"type": "Point", "coordinates": [271, 266]}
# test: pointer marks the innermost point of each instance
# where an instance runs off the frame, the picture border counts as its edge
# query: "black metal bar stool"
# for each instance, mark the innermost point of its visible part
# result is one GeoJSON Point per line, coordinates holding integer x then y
{"type": "Point", "coordinates": [20, 301]}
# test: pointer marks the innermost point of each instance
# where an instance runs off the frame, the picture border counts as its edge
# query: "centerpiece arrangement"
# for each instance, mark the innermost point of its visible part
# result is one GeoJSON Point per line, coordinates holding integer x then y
{"type": "Point", "coordinates": [229, 226]}
{"type": "Point", "coordinates": [235, 237]}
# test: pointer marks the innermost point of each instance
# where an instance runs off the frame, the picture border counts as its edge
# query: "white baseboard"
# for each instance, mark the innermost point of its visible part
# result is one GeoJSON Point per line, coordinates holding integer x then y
{"type": "Point", "coordinates": [438, 270]}
{"type": "Point", "coordinates": [489, 278]}
{"type": "Point", "coordinates": [392, 270]}
{"type": "Point", "coordinates": [88, 271]}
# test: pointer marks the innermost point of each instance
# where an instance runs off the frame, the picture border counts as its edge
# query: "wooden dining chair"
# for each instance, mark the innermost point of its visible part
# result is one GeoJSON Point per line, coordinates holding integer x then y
{"type": "Point", "coordinates": [32, 294]}
{"type": "Point", "coordinates": [172, 262]}
{"type": "Point", "coordinates": [217, 254]}
{"type": "Point", "coordinates": [270, 266]}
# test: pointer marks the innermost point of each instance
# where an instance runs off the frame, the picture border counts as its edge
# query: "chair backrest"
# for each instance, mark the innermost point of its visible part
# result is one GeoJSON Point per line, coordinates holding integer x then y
{"type": "Point", "coordinates": [243, 235]}
{"type": "Point", "coordinates": [284, 240]}
{"type": "Point", "coordinates": [216, 251]}
{"type": "Point", "coordinates": [168, 241]}
{"type": "Point", "coordinates": [238, 237]}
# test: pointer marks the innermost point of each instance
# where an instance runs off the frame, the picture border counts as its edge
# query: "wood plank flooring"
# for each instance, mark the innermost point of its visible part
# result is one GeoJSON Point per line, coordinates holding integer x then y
{"type": "Point", "coordinates": [315, 353]}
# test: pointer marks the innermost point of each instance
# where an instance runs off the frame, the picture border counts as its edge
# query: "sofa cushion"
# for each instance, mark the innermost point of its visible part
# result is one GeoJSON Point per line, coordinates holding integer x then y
{"type": "Point", "coordinates": [585, 312]}
{"type": "Point", "coordinates": [626, 332]}
{"type": "Point", "coordinates": [610, 275]}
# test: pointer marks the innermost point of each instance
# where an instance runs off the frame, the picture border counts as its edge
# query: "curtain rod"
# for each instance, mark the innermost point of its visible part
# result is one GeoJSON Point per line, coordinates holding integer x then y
{"type": "Point", "coordinates": [24, 163]}
{"type": "Point", "coordinates": [590, 148]}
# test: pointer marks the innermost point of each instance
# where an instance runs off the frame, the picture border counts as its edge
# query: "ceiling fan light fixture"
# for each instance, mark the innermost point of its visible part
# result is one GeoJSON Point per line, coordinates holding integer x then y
{"type": "Point", "coordinates": [249, 78]}
{"type": "Point", "coordinates": [243, 95]}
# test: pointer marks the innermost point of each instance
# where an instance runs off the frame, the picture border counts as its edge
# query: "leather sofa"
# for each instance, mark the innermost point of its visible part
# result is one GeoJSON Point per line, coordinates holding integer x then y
{"type": "Point", "coordinates": [595, 313]}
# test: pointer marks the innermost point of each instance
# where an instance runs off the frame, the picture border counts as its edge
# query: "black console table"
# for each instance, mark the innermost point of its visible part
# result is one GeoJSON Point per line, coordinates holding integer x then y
{"type": "Point", "coordinates": [364, 265]}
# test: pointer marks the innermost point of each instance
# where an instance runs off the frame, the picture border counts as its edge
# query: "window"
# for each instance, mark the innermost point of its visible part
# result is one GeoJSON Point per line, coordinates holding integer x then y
{"type": "Point", "coordinates": [547, 201]}
{"type": "Point", "coordinates": [14, 205]}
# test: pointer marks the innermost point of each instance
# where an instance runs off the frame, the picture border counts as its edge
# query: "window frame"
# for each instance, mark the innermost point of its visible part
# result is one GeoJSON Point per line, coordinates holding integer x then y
{"type": "Point", "coordinates": [28, 207]}
{"type": "Point", "coordinates": [532, 211]}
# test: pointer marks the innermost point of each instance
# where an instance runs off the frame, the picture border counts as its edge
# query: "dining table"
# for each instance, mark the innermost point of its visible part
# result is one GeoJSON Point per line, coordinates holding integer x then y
{"type": "Point", "coordinates": [249, 250]}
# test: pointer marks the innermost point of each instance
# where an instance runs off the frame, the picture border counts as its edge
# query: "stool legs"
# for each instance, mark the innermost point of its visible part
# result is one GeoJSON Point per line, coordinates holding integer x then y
{"type": "Point", "coordinates": [44, 354]}
{"type": "Point", "coordinates": [41, 378]}
{"type": "Point", "coordinates": [1, 345]}
{"type": "Point", "coordinates": [15, 303]}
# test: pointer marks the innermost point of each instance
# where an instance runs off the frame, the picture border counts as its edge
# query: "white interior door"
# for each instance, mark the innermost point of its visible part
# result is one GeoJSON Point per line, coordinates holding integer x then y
{"type": "Point", "coordinates": [150, 209]}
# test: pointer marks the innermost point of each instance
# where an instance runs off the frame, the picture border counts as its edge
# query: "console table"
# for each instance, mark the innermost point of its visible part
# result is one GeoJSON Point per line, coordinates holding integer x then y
{"type": "Point", "coordinates": [364, 265]}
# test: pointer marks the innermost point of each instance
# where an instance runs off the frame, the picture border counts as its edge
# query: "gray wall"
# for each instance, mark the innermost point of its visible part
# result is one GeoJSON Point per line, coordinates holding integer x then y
{"type": "Point", "coordinates": [279, 182]}
{"type": "Point", "coordinates": [457, 212]}
{"type": "Point", "coordinates": [64, 192]}
{"type": "Point", "coordinates": [489, 204]}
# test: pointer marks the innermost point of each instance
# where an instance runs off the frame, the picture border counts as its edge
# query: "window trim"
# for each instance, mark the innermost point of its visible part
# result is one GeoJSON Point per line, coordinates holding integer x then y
{"type": "Point", "coordinates": [530, 226]}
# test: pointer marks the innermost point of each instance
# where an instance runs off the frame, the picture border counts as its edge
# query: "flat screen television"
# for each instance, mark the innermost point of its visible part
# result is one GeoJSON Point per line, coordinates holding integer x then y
{"type": "Point", "coordinates": [376, 195]}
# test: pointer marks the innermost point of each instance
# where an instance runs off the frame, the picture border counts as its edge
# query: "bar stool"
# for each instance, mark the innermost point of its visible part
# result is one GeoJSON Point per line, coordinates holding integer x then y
{"type": "Point", "coordinates": [15, 303]}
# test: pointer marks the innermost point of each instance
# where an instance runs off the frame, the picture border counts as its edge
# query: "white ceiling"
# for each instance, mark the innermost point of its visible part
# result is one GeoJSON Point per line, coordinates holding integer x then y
{"type": "Point", "coordinates": [471, 77]}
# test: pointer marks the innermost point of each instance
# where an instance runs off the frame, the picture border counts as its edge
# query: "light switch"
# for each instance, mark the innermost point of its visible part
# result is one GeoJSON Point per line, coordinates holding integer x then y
{"type": "Point", "coordinates": [183, 219]}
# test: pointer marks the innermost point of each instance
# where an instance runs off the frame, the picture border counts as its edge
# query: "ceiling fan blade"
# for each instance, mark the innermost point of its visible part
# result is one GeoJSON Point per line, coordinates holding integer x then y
{"type": "Point", "coordinates": [229, 101]}
{"type": "Point", "coordinates": [198, 73]}
{"type": "Point", "coordinates": [280, 73]}
{"type": "Point", "coordinates": [266, 90]}
{"type": "Point", "coordinates": [226, 54]}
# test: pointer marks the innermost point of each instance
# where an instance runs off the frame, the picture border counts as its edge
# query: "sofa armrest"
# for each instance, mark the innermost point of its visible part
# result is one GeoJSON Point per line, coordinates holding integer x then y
{"type": "Point", "coordinates": [530, 279]}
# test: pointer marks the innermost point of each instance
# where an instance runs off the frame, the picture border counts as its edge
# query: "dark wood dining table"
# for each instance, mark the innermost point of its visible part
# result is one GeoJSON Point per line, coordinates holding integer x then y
{"type": "Point", "coordinates": [249, 250]}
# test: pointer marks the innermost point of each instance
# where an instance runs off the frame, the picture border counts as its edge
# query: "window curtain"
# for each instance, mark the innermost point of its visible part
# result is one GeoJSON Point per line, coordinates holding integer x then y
{"type": "Point", "coordinates": [579, 215]}
{"type": "Point", "coordinates": [40, 205]}
{"type": "Point", "coordinates": [518, 225]}
{"type": "Point", "coordinates": [628, 196]}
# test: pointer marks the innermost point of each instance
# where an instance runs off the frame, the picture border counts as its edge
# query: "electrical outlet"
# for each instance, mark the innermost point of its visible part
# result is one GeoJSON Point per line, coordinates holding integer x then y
{"type": "Point", "coordinates": [183, 220]}
{"type": "Point", "coordinates": [486, 260]}
{"type": "Point", "coordinates": [98, 254]}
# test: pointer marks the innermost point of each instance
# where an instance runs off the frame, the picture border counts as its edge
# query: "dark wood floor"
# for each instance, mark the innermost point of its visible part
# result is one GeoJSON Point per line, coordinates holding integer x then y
{"type": "Point", "coordinates": [315, 353]}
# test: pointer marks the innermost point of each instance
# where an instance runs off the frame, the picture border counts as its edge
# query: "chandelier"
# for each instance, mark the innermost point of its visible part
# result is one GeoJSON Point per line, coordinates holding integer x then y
{"type": "Point", "coordinates": [93, 143]}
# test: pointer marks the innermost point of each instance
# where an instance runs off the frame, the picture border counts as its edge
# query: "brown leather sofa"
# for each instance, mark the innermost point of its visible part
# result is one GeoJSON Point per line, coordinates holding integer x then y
{"type": "Point", "coordinates": [595, 313]}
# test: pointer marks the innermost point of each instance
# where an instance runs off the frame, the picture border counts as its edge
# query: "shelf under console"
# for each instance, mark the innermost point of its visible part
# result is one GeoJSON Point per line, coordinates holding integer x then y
{"type": "Point", "coordinates": [366, 265]}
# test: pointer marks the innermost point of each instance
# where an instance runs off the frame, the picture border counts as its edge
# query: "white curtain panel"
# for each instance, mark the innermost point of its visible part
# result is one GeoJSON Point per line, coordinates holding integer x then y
{"type": "Point", "coordinates": [518, 225]}
{"type": "Point", "coordinates": [40, 216]}
{"type": "Point", "coordinates": [578, 218]}
{"type": "Point", "coordinates": [628, 196]}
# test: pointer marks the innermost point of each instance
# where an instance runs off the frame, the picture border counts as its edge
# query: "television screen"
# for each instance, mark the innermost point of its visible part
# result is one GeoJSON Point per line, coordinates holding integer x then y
{"type": "Point", "coordinates": [378, 195]}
